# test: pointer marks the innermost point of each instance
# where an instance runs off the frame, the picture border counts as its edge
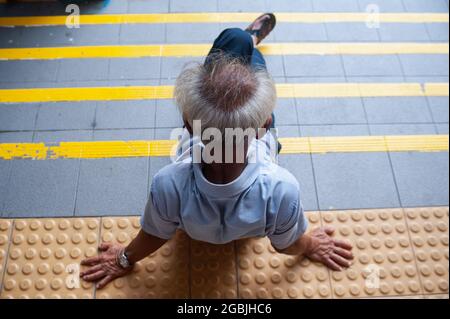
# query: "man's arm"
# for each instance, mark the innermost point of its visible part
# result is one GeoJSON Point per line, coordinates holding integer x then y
{"type": "Point", "coordinates": [318, 245]}
{"type": "Point", "coordinates": [105, 267]}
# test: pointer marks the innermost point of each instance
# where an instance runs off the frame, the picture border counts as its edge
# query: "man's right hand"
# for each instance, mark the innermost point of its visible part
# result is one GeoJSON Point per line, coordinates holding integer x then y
{"type": "Point", "coordinates": [104, 268]}
{"type": "Point", "coordinates": [333, 253]}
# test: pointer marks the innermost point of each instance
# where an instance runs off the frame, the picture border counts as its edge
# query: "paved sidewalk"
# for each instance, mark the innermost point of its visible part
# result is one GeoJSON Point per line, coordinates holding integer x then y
{"type": "Point", "coordinates": [339, 77]}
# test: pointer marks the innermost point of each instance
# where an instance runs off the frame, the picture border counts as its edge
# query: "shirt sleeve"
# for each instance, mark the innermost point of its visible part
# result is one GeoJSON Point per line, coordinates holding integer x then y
{"type": "Point", "coordinates": [154, 221]}
{"type": "Point", "coordinates": [291, 224]}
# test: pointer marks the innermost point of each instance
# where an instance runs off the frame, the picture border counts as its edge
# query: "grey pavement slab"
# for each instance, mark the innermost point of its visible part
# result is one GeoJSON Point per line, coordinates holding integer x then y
{"type": "Point", "coordinates": [28, 71]}
{"type": "Point", "coordinates": [376, 79]}
{"type": "Point", "coordinates": [167, 114]}
{"type": "Point", "coordinates": [192, 32]}
{"type": "Point", "coordinates": [60, 35]}
{"type": "Point", "coordinates": [123, 135]}
{"type": "Point", "coordinates": [168, 133]}
{"type": "Point", "coordinates": [424, 65]}
{"type": "Point", "coordinates": [113, 186]}
{"type": "Point", "coordinates": [142, 33]}
{"type": "Point", "coordinates": [275, 65]}
{"type": "Point", "coordinates": [172, 67]}
{"type": "Point", "coordinates": [354, 180]}
{"type": "Point", "coordinates": [422, 178]}
{"type": "Point", "coordinates": [41, 188]}
{"type": "Point", "coordinates": [334, 130]}
{"type": "Point", "coordinates": [313, 65]}
{"type": "Point", "coordinates": [428, 79]}
{"type": "Point", "coordinates": [62, 136]}
{"type": "Point", "coordinates": [426, 5]}
{"type": "Point", "coordinates": [288, 130]}
{"type": "Point", "coordinates": [292, 32]}
{"type": "Point", "coordinates": [125, 114]}
{"type": "Point", "coordinates": [16, 137]}
{"type": "Point", "coordinates": [331, 111]}
{"type": "Point", "coordinates": [300, 166]}
{"type": "Point", "coordinates": [335, 6]}
{"type": "Point", "coordinates": [241, 6]}
{"type": "Point", "coordinates": [402, 129]}
{"type": "Point", "coordinates": [145, 6]}
{"type": "Point", "coordinates": [372, 65]}
{"type": "Point", "coordinates": [383, 5]}
{"type": "Point", "coordinates": [193, 5]}
{"type": "Point", "coordinates": [66, 116]}
{"type": "Point", "coordinates": [5, 169]}
{"type": "Point", "coordinates": [17, 117]}
{"type": "Point", "coordinates": [314, 79]}
{"type": "Point", "coordinates": [285, 112]}
{"type": "Point", "coordinates": [135, 69]}
{"type": "Point", "coordinates": [83, 70]}
{"type": "Point", "coordinates": [387, 110]}
{"type": "Point", "coordinates": [442, 128]}
{"type": "Point", "coordinates": [289, 6]}
{"type": "Point", "coordinates": [351, 32]}
{"type": "Point", "coordinates": [402, 32]}
{"type": "Point", "coordinates": [439, 106]}
{"type": "Point", "coordinates": [10, 39]}
{"type": "Point", "coordinates": [438, 31]}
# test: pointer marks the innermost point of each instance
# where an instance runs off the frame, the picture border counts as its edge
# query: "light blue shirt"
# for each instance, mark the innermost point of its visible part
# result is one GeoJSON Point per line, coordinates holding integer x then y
{"type": "Point", "coordinates": [263, 201]}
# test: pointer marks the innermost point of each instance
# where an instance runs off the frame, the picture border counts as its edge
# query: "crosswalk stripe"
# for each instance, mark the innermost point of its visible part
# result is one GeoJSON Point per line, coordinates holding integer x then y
{"type": "Point", "coordinates": [289, 90]}
{"type": "Point", "coordinates": [164, 148]}
{"type": "Point", "coordinates": [217, 17]}
{"type": "Point", "coordinates": [195, 50]}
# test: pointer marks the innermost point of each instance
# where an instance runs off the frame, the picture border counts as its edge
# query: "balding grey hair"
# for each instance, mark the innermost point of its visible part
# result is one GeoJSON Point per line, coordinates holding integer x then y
{"type": "Point", "coordinates": [225, 94]}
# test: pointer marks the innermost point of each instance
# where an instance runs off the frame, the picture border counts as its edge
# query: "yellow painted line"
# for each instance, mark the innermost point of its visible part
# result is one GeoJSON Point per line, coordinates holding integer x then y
{"type": "Point", "coordinates": [164, 148]}
{"type": "Point", "coordinates": [195, 50]}
{"type": "Point", "coordinates": [291, 90]}
{"type": "Point", "coordinates": [224, 18]}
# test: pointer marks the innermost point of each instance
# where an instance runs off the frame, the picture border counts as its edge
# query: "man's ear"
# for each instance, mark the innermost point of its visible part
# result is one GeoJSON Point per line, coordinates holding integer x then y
{"type": "Point", "coordinates": [188, 127]}
{"type": "Point", "coordinates": [266, 127]}
{"type": "Point", "coordinates": [268, 123]}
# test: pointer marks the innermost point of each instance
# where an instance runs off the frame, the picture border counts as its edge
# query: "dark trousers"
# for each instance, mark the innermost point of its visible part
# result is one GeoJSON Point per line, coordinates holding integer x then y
{"type": "Point", "coordinates": [239, 44]}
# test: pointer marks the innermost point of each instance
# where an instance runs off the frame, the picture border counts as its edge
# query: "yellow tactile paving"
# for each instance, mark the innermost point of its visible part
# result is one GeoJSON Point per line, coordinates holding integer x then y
{"type": "Point", "coordinates": [290, 90]}
{"type": "Point", "coordinates": [44, 257]}
{"type": "Point", "coordinates": [406, 249]}
{"type": "Point", "coordinates": [384, 265]}
{"type": "Point", "coordinates": [213, 271]}
{"type": "Point", "coordinates": [263, 273]}
{"type": "Point", "coordinates": [5, 232]}
{"type": "Point", "coordinates": [429, 235]}
{"type": "Point", "coordinates": [196, 50]}
{"type": "Point", "coordinates": [164, 148]}
{"type": "Point", "coordinates": [164, 274]}
{"type": "Point", "coordinates": [217, 17]}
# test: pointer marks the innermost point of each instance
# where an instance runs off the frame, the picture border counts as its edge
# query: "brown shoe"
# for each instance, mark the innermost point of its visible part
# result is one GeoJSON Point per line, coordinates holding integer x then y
{"type": "Point", "coordinates": [262, 26]}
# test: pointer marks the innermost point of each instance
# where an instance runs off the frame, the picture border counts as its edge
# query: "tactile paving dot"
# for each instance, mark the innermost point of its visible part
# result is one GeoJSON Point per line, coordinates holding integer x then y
{"type": "Point", "coordinates": [5, 231]}
{"type": "Point", "coordinates": [384, 261]}
{"type": "Point", "coordinates": [213, 270]}
{"type": "Point", "coordinates": [263, 273]}
{"type": "Point", "coordinates": [428, 229]}
{"type": "Point", "coordinates": [44, 257]}
{"type": "Point", "coordinates": [164, 274]}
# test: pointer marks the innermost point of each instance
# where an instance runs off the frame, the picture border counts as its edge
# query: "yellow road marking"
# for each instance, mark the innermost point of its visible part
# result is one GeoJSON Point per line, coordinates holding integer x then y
{"type": "Point", "coordinates": [294, 90]}
{"type": "Point", "coordinates": [164, 148]}
{"type": "Point", "coordinates": [194, 50]}
{"type": "Point", "coordinates": [223, 18]}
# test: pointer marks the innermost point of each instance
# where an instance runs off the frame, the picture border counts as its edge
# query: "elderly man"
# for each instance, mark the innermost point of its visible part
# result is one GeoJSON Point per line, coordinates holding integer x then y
{"type": "Point", "coordinates": [220, 190]}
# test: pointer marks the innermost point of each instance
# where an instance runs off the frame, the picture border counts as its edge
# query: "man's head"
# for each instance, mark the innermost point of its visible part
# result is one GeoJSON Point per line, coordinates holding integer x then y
{"type": "Point", "coordinates": [225, 93]}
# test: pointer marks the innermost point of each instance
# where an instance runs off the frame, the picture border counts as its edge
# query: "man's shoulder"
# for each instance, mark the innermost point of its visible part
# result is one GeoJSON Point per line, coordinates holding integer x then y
{"type": "Point", "coordinates": [280, 179]}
